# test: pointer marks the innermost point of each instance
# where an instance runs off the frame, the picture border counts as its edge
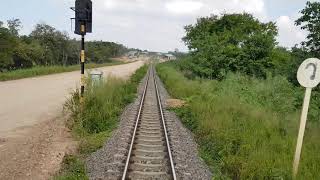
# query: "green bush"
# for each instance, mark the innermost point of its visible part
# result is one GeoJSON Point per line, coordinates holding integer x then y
{"type": "Point", "coordinates": [94, 120]}
{"type": "Point", "coordinates": [104, 103]}
{"type": "Point", "coordinates": [73, 169]}
{"type": "Point", "coordinates": [230, 42]}
{"type": "Point", "coordinates": [246, 128]}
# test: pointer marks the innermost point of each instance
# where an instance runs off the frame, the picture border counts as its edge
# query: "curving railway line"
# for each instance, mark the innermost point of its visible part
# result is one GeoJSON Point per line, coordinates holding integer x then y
{"type": "Point", "coordinates": [149, 155]}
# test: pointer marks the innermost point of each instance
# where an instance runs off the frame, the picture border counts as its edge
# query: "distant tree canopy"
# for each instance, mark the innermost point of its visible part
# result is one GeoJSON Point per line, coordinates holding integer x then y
{"type": "Point", "coordinates": [310, 21]}
{"type": "Point", "coordinates": [56, 45]}
{"type": "Point", "coordinates": [241, 43]}
{"type": "Point", "coordinates": [231, 42]}
{"type": "Point", "coordinates": [47, 46]}
{"type": "Point", "coordinates": [7, 44]}
{"type": "Point", "coordinates": [98, 50]}
{"type": "Point", "coordinates": [14, 25]}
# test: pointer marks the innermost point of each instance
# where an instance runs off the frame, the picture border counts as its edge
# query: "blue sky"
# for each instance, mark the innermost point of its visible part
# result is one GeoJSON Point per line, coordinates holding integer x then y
{"type": "Point", "coordinates": [153, 24]}
{"type": "Point", "coordinates": [278, 8]}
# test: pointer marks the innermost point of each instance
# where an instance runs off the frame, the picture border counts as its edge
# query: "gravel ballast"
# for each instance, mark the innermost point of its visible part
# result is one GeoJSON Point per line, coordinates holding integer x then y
{"type": "Point", "coordinates": [109, 161]}
{"type": "Point", "coordinates": [188, 164]}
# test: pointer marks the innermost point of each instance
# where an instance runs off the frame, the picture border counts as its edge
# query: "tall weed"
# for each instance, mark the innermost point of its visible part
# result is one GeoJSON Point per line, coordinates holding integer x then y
{"type": "Point", "coordinates": [246, 128]}
{"type": "Point", "coordinates": [93, 121]}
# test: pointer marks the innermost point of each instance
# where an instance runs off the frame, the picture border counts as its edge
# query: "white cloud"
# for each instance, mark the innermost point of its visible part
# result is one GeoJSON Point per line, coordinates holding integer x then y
{"type": "Point", "coordinates": [183, 7]}
{"type": "Point", "coordinates": [289, 34]}
{"type": "Point", "coordinates": [158, 24]}
{"type": "Point", "coordinates": [110, 4]}
{"type": "Point", "coordinates": [250, 6]}
{"type": "Point", "coordinates": [128, 5]}
{"type": "Point", "coordinates": [161, 21]}
{"type": "Point", "coordinates": [255, 7]}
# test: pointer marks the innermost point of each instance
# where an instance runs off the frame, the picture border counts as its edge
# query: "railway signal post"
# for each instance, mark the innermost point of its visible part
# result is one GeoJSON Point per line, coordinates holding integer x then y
{"type": "Point", "coordinates": [83, 25]}
{"type": "Point", "coordinates": [308, 76]}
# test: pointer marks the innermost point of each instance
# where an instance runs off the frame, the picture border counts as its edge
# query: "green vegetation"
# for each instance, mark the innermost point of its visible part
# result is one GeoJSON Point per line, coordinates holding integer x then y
{"type": "Point", "coordinates": [243, 99]}
{"type": "Point", "coordinates": [232, 42]}
{"type": "Point", "coordinates": [47, 46]}
{"type": "Point", "coordinates": [93, 122]}
{"type": "Point", "coordinates": [241, 43]}
{"type": "Point", "coordinates": [73, 168]}
{"type": "Point", "coordinates": [246, 128]}
{"type": "Point", "coordinates": [46, 70]}
{"type": "Point", "coordinates": [310, 21]}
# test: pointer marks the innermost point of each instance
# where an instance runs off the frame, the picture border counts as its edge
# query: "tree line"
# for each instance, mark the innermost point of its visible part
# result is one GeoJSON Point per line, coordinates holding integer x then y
{"type": "Point", "coordinates": [241, 43]}
{"type": "Point", "coordinates": [46, 46]}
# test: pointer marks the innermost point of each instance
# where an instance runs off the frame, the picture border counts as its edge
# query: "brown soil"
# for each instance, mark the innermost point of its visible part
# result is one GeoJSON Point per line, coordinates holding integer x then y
{"type": "Point", "coordinates": [175, 103]}
{"type": "Point", "coordinates": [29, 101]}
{"type": "Point", "coordinates": [33, 137]}
{"type": "Point", "coordinates": [35, 152]}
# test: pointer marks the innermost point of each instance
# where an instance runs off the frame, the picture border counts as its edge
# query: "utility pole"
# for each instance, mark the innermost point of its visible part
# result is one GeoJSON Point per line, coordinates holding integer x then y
{"type": "Point", "coordinates": [83, 25]}
{"type": "Point", "coordinates": [82, 58]}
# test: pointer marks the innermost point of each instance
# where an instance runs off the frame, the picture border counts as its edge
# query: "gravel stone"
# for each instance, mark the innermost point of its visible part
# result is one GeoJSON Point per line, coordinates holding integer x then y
{"type": "Point", "coordinates": [188, 164]}
{"type": "Point", "coordinates": [109, 161]}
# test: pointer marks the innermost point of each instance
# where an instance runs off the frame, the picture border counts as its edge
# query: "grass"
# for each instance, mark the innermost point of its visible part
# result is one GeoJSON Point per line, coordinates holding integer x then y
{"type": "Point", "coordinates": [93, 122]}
{"type": "Point", "coordinates": [246, 128]}
{"type": "Point", "coordinates": [46, 70]}
{"type": "Point", "coordinates": [73, 169]}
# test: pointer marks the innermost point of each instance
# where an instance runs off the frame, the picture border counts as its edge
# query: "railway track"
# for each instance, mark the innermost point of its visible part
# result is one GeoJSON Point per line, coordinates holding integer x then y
{"type": "Point", "coordinates": [139, 148]}
{"type": "Point", "coordinates": [149, 156]}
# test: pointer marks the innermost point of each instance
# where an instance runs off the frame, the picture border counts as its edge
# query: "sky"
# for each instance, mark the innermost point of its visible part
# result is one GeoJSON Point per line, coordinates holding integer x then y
{"type": "Point", "coordinates": [155, 25]}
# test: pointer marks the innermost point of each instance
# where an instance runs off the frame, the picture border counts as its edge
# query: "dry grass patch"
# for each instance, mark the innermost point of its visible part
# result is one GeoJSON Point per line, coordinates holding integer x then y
{"type": "Point", "coordinates": [175, 103]}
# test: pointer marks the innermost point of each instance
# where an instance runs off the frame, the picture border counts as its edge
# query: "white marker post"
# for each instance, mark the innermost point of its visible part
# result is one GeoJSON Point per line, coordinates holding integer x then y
{"type": "Point", "coordinates": [309, 77]}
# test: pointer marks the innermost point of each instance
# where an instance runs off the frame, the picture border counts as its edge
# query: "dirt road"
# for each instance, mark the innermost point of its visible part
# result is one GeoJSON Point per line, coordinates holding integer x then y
{"type": "Point", "coordinates": [28, 101]}
{"type": "Point", "coordinates": [33, 138]}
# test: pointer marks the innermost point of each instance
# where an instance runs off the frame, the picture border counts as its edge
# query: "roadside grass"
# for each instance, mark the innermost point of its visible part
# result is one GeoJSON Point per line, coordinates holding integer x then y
{"type": "Point", "coordinates": [93, 122]}
{"type": "Point", "coordinates": [246, 128]}
{"type": "Point", "coordinates": [46, 70]}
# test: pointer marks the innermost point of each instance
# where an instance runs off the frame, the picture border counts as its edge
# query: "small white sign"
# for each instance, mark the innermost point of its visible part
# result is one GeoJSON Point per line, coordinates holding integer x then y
{"type": "Point", "coordinates": [309, 73]}
{"type": "Point", "coordinates": [309, 77]}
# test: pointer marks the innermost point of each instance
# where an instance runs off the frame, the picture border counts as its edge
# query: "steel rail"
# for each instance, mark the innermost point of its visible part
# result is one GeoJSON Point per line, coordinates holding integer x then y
{"type": "Point", "coordinates": [164, 127]}
{"type": "Point", "coordinates": [151, 74]}
{"type": "Point", "coordinates": [135, 128]}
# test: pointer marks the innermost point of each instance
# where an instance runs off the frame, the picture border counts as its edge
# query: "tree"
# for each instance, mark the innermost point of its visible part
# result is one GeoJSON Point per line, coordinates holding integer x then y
{"type": "Point", "coordinates": [14, 26]}
{"type": "Point", "coordinates": [100, 52]}
{"type": "Point", "coordinates": [310, 21]}
{"type": "Point", "coordinates": [232, 42]}
{"type": "Point", "coordinates": [54, 42]}
{"type": "Point", "coordinates": [7, 44]}
{"type": "Point", "coordinates": [298, 55]}
{"type": "Point", "coordinates": [27, 55]}
{"type": "Point", "coordinates": [47, 46]}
